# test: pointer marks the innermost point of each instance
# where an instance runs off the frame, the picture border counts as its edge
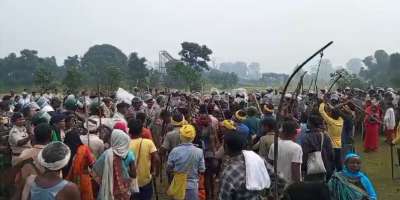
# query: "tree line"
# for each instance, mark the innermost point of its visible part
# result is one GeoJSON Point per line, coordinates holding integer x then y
{"type": "Point", "coordinates": [107, 67]}
{"type": "Point", "coordinates": [378, 70]}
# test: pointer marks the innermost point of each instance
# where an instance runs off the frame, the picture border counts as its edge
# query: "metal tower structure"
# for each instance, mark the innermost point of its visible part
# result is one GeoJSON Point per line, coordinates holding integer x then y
{"type": "Point", "coordinates": [164, 57]}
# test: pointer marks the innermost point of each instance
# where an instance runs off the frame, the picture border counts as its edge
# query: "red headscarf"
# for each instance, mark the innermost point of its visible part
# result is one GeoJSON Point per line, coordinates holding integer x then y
{"type": "Point", "coordinates": [121, 126]}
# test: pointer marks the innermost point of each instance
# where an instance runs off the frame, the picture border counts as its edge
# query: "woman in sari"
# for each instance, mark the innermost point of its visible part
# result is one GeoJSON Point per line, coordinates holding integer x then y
{"type": "Point", "coordinates": [351, 183]}
{"type": "Point", "coordinates": [116, 167]}
{"type": "Point", "coordinates": [80, 164]}
{"type": "Point", "coordinates": [372, 124]}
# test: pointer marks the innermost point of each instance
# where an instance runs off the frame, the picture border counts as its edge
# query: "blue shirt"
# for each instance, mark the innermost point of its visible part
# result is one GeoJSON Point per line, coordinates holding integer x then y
{"type": "Point", "coordinates": [129, 158]}
{"type": "Point", "coordinates": [100, 162]}
{"type": "Point", "coordinates": [304, 131]}
{"type": "Point", "coordinates": [243, 129]}
{"type": "Point", "coordinates": [253, 123]}
{"type": "Point", "coordinates": [39, 193]}
{"type": "Point", "coordinates": [190, 159]}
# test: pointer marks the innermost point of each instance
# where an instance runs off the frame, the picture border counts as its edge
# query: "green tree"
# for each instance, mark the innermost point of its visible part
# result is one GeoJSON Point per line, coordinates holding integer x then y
{"type": "Point", "coordinates": [195, 55]}
{"type": "Point", "coordinates": [154, 79]}
{"type": "Point", "coordinates": [44, 78]}
{"type": "Point", "coordinates": [73, 79]}
{"type": "Point", "coordinates": [102, 56]}
{"type": "Point", "coordinates": [395, 69]}
{"type": "Point", "coordinates": [137, 71]}
{"type": "Point", "coordinates": [347, 79]}
{"type": "Point", "coordinates": [97, 60]}
{"type": "Point", "coordinates": [19, 71]}
{"type": "Point", "coordinates": [72, 61]}
{"type": "Point", "coordinates": [377, 67]}
{"type": "Point", "coordinates": [183, 77]}
{"type": "Point", "coordinates": [186, 73]}
{"type": "Point", "coordinates": [113, 79]}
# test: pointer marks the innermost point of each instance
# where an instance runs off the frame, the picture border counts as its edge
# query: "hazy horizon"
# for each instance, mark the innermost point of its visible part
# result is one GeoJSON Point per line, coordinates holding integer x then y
{"type": "Point", "coordinates": [277, 34]}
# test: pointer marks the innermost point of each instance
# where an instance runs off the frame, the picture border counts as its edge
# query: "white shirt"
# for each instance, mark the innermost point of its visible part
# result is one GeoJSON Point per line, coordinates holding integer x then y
{"type": "Point", "coordinates": [16, 134]}
{"type": "Point", "coordinates": [390, 119]}
{"type": "Point", "coordinates": [288, 152]}
{"type": "Point", "coordinates": [24, 101]}
{"type": "Point", "coordinates": [47, 108]}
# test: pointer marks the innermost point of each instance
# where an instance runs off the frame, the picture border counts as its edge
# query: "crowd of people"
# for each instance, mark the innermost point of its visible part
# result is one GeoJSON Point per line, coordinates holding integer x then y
{"type": "Point", "coordinates": [205, 146]}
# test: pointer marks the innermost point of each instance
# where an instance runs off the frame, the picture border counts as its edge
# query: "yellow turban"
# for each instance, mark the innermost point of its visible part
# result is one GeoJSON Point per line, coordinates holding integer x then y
{"type": "Point", "coordinates": [240, 118]}
{"type": "Point", "coordinates": [267, 109]}
{"type": "Point", "coordinates": [181, 123]}
{"type": "Point", "coordinates": [187, 132]}
{"type": "Point", "coordinates": [229, 124]}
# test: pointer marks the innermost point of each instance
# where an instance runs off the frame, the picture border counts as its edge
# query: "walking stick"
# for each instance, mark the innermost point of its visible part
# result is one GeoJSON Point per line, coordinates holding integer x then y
{"type": "Point", "coordinates": [391, 160]}
{"type": "Point", "coordinates": [99, 102]}
{"type": "Point", "coordinates": [87, 120]}
{"type": "Point", "coordinates": [220, 109]}
{"type": "Point", "coordinates": [362, 130]}
{"type": "Point", "coordinates": [163, 132]}
{"type": "Point", "coordinates": [258, 105]}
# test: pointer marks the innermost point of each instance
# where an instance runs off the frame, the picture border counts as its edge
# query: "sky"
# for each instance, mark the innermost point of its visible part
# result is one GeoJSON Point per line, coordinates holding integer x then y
{"type": "Point", "coordinates": [277, 34]}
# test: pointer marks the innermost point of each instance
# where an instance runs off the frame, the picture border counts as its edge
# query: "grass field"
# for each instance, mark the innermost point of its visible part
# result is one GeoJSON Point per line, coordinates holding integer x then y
{"type": "Point", "coordinates": [377, 166]}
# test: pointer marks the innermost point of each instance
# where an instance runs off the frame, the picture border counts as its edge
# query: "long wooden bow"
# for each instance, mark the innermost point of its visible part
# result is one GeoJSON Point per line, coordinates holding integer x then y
{"type": "Point", "coordinates": [279, 117]}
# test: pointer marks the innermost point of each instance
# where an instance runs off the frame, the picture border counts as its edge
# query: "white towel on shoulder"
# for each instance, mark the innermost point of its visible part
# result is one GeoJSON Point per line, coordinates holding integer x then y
{"type": "Point", "coordinates": [257, 177]}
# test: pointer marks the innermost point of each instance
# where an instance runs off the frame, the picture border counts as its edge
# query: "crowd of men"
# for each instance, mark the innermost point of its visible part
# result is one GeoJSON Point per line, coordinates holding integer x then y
{"type": "Point", "coordinates": [204, 146]}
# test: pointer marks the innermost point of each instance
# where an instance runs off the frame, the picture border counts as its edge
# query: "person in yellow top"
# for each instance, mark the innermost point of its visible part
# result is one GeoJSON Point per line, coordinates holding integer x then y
{"type": "Point", "coordinates": [147, 160]}
{"type": "Point", "coordinates": [396, 142]}
{"type": "Point", "coordinates": [396, 139]}
{"type": "Point", "coordinates": [334, 125]}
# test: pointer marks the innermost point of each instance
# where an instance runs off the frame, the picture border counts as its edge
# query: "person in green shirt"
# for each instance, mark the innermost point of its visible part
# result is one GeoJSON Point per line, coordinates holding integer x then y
{"type": "Point", "coordinates": [57, 122]}
{"type": "Point", "coordinates": [252, 121]}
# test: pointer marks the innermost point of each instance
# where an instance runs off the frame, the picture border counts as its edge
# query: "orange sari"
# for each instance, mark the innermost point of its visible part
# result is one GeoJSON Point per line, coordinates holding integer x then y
{"type": "Point", "coordinates": [79, 172]}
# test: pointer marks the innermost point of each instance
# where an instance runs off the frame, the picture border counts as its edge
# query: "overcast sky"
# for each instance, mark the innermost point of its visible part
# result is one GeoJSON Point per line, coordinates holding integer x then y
{"type": "Point", "coordinates": [278, 34]}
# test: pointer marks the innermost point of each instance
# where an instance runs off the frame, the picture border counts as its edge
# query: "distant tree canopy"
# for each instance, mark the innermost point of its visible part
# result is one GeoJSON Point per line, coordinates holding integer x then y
{"type": "Point", "coordinates": [186, 73]}
{"type": "Point", "coordinates": [347, 79]}
{"type": "Point", "coordinates": [195, 55]}
{"type": "Point", "coordinates": [382, 69]}
{"type": "Point", "coordinates": [73, 79]}
{"type": "Point", "coordinates": [137, 71]}
{"type": "Point", "coordinates": [182, 76]}
{"type": "Point", "coordinates": [274, 79]}
{"type": "Point", "coordinates": [109, 67]}
{"type": "Point", "coordinates": [101, 56]}
{"type": "Point", "coordinates": [101, 63]}
{"type": "Point", "coordinates": [19, 71]}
